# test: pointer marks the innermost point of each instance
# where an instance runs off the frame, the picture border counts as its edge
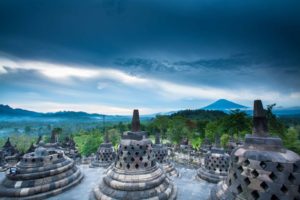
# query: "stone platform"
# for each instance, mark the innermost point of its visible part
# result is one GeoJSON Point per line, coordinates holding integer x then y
{"type": "Point", "coordinates": [188, 189]}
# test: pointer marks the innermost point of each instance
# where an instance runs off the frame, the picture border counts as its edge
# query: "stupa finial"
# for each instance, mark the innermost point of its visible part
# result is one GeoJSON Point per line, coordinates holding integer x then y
{"type": "Point", "coordinates": [135, 125]}
{"type": "Point", "coordinates": [157, 138]}
{"type": "Point", "coordinates": [260, 124]}
{"type": "Point", "coordinates": [106, 137]}
{"type": "Point", "coordinates": [232, 139]}
{"type": "Point", "coordinates": [217, 141]}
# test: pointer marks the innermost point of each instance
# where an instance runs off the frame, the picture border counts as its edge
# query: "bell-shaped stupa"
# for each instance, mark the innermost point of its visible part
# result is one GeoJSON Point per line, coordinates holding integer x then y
{"type": "Point", "coordinates": [10, 153]}
{"type": "Point", "coordinates": [161, 154]}
{"type": "Point", "coordinates": [206, 145]}
{"type": "Point", "coordinates": [135, 174]}
{"type": "Point", "coordinates": [3, 164]}
{"type": "Point", "coordinates": [106, 154]}
{"type": "Point", "coordinates": [216, 164]}
{"type": "Point", "coordinates": [230, 145]}
{"type": "Point", "coordinates": [240, 141]}
{"type": "Point", "coordinates": [39, 175]}
{"type": "Point", "coordinates": [261, 169]}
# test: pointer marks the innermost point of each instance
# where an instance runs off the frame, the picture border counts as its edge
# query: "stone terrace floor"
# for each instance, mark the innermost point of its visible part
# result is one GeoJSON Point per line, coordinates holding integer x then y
{"type": "Point", "coordinates": [188, 188]}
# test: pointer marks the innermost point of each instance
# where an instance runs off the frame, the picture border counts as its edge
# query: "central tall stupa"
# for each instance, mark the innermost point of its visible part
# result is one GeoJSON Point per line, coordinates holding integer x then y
{"type": "Point", "coordinates": [135, 174]}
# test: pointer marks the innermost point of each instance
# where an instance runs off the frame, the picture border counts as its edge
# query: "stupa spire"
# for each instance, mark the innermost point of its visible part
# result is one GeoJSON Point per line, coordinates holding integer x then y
{"type": "Point", "coordinates": [217, 141]}
{"type": "Point", "coordinates": [232, 139]}
{"type": "Point", "coordinates": [52, 139]}
{"type": "Point", "coordinates": [135, 125]}
{"type": "Point", "coordinates": [106, 137]}
{"type": "Point", "coordinates": [260, 124]}
{"type": "Point", "coordinates": [157, 138]}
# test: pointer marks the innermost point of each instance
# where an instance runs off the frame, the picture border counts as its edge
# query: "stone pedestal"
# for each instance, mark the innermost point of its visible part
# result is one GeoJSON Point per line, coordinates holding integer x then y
{"type": "Point", "coordinates": [216, 164]}
{"type": "Point", "coordinates": [261, 168]}
{"type": "Point", "coordinates": [40, 177]}
{"type": "Point", "coordinates": [135, 174]}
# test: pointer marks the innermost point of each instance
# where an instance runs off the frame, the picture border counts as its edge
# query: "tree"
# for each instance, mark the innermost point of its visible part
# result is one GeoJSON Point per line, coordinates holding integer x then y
{"type": "Point", "coordinates": [275, 126]}
{"type": "Point", "coordinates": [210, 131]}
{"type": "Point", "coordinates": [57, 131]}
{"type": "Point", "coordinates": [41, 130]}
{"type": "Point", "coordinates": [236, 122]}
{"type": "Point", "coordinates": [162, 123]}
{"type": "Point", "coordinates": [114, 136]}
{"type": "Point", "coordinates": [224, 140]}
{"type": "Point", "coordinates": [121, 127]}
{"type": "Point", "coordinates": [191, 126]}
{"type": "Point", "coordinates": [177, 129]}
{"type": "Point", "coordinates": [201, 125]}
{"type": "Point", "coordinates": [27, 129]}
{"type": "Point", "coordinates": [49, 127]}
{"type": "Point", "coordinates": [91, 144]}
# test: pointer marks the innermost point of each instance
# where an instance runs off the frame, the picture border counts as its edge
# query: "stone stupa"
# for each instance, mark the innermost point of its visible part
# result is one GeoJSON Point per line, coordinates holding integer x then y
{"type": "Point", "coordinates": [31, 148]}
{"type": "Point", "coordinates": [41, 174]}
{"type": "Point", "coordinates": [106, 154]}
{"type": "Point", "coordinates": [216, 164]}
{"type": "Point", "coordinates": [230, 145]}
{"type": "Point", "coordinates": [161, 154]}
{"type": "Point", "coordinates": [206, 145]}
{"type": "Point", "coordinates": [10, 153]}
{"type": "Point", "coordinates": [240, 141]}
{"type": "Point", "coordinates": [261, 169]}
{"type": "Point", "coordinates": [3, 164]}
{"type": "Point", "coordinates": [52, 144]}
{"type": "Point", "coordinates": [135, 174]}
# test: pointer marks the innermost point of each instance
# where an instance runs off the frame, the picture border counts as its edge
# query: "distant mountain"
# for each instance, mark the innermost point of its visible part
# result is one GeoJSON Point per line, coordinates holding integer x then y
{"type": "Point", "coordinates": [223, 104]}
{"type": "Point", "coordinates": [10, 111]}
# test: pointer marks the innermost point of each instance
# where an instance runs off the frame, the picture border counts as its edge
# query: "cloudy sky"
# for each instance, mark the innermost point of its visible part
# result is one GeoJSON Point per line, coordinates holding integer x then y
{"type": "Point", "coordinates": [111, 56]}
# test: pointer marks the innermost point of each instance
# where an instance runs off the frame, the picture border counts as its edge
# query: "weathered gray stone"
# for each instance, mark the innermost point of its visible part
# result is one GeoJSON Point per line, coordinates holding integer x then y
{"type": "Point", "coordinates": [39, 175]}
{"type": "Point", "coordinates": [261, 168]}
{"type": "Point", "coordinates": [105, 155]}
{"type": "Point", "coordinates": [135, 174]}
{"type": "Point", "coordinates": [216, 164]}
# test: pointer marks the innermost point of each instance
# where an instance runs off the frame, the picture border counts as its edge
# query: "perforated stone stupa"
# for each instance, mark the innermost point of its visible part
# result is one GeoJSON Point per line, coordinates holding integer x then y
{"type": "Point", "coordinates": [106, 154]}
{"type": "Point", "coordinates": [41, 174]}
{"type": "Point", "coordinates": [161, 154]}
{"type": "Point", "coordinates": [216, 164]}
{"type": "Point", "coordinates": [10, 153]}
{"type": "Point", "coordinates": [230, 145]}
{"type": "Point", "coordinates": [135, 174]}
{"type": "Point", "coordinates": [261, 169]}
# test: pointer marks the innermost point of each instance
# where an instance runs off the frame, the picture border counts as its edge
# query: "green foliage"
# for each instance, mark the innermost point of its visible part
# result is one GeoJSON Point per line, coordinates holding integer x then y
{"type": "Point", "coordinates": [177, 129]}
{"type": "Point", "coordinates": [114, 136]}
{"type": "Point", "coordinates": [210, 131]}
{"type": "Point", "coordinates": [275, 126]}
{"type": "Point", "coordinates": [91, 144]}
{"type": "Point", "coordinates": [224, 140]}
{"type": "Point", "coordinates": [201, 125]}
{"type": "Point", "coordinates": [208, 115]}
{"type": "Point", "coordinates": [27, 129]}
{"type": "Point", "coordinates": [236, 122]}
{"type": "Point", "coordinates": [162, 123]}
{"type": "Point", "coordinates": [291, 141]}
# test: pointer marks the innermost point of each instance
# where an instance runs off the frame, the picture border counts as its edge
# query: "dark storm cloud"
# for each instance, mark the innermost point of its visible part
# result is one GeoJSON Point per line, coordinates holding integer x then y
{"type": "Point", "coordinates": [222, 44]}
{"type": "Point", "coordinates": [101, 30]}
